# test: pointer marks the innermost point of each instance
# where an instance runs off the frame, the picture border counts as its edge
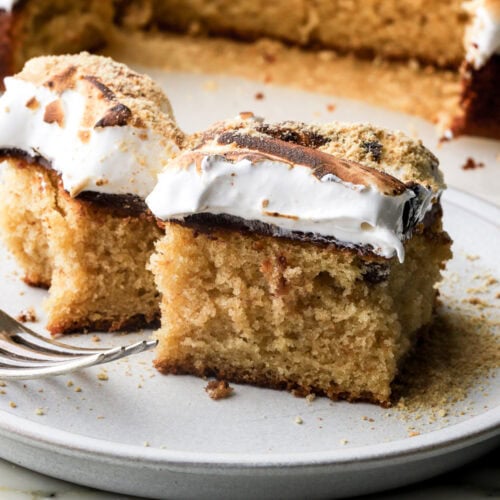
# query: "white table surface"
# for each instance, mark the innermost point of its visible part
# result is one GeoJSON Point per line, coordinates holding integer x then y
{"type": "Point", "coordinates": [480, 479]}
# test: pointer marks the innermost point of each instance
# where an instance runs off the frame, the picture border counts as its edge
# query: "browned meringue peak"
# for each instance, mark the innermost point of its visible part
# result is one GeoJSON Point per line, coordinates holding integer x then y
{"type": "Point", "coordinates": [321, 163]}
{"type": "Point", "coordinates": [115, 95]}
{"type": "Point", "coordinates": [283, 177]}
{"type": "Point", "coordinates": [381, 150]}
{"type": "Point", "coordinates": [103, 127]}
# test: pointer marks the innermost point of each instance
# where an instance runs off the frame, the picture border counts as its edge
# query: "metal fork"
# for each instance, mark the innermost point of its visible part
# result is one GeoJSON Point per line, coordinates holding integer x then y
{"type": "Point", "coordinates": [25, 354]}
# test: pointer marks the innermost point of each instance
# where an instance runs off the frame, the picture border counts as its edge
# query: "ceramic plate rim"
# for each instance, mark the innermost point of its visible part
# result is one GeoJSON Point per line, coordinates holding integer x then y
{"type": "Point", "coordinates": [476, 429]}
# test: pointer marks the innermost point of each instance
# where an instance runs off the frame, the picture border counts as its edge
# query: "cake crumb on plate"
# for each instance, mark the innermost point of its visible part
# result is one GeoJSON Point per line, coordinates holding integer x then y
{"type": "Point", "coordinates": [218, 389]}
{"type": "Point", "coordinates": [27, 315]}
{"type": "Point", "coordinates": [471, 164]}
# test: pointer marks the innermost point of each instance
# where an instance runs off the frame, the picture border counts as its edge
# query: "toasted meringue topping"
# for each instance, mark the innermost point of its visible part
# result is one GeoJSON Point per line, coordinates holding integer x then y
{"type": "Point", "coordinates": [79, 126]}
{"type": "Point", "coordinates": [321, 163]}
{"type": "Point", "coordinates": [292, 189]}
{"type": "Point", "coordinates": [482, 37]}
{"type": "Point", "coordinates": [7, 4]}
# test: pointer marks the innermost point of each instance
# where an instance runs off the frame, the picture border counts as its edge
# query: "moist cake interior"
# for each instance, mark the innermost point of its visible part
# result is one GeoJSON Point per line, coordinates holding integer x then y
{"type": "Point", "coordinates": [92, 257]}
{"type": "Point", "coordinates": [290, 315]}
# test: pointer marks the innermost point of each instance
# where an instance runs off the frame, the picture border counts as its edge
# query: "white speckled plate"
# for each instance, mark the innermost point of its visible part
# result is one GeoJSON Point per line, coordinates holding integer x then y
{"type": "Point", "coordinates": [161, 436]}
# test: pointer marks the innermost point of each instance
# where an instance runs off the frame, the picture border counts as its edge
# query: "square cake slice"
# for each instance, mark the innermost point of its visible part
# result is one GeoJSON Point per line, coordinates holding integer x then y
{"type": "Point", "coordinates": [297, 256]}
{"type": "Point", "coordinates": [82, 139]}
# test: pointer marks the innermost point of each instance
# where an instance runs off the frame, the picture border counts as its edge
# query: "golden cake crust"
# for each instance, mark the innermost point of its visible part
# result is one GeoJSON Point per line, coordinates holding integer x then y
{"type": "Point", "coordinates": [188, 367]}
{"type": "Point", "coordinates": [269, 382]}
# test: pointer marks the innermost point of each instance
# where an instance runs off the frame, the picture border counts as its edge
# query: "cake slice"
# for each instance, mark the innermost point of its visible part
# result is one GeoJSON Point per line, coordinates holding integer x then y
{"type": "Point", "coordinates": [83, 139]}
{"type": "Point", "coordinates": [478, 112]}
{"type": "Point", "coordinates": [298, 256]}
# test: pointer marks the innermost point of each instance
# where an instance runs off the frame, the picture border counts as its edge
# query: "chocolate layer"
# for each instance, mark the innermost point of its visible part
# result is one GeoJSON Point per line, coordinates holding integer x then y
{"type": "Point", "coordinates": [122, 205]}
{"type": "Point", "coordinates": [206, 223]}
{"type": "Point", "coordinates": [6, 45]}
{"type": "Point", "coordinates": [480, 101]}
{"type": "Point", "coordinates": [25, 157]}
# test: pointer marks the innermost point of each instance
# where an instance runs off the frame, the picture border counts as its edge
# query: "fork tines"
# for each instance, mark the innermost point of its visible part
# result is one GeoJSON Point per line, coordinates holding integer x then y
{"type": "Point", "coordinates": [25, 354]}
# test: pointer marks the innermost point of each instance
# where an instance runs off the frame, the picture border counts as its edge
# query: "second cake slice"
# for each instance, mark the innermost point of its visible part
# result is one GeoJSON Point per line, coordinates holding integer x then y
{"type": "Point", "coordinates": [298, 257]}
{"type": "Point", "coordinates": [83, 139]}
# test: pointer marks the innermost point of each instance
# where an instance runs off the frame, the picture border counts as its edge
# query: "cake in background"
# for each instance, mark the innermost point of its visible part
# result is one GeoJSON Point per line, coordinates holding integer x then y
{"type": "Point", "coordinates": [298, 256]}
{"type": "Point", "coordinates": [448, 36]}
{"type": "Point", "coordinates": [81, 141]}
{"type": "Point", "coordinates": [479, 108]}
{"type": "Point", "coordinates": [31, 28]}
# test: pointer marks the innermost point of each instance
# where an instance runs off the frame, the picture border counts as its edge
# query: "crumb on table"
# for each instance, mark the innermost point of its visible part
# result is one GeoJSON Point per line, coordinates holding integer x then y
{"type": "Point", "coordinates": [311, 397]}
{"type": "Point", "coordinates": [210, 86]}
{"type": "Point", "coordinates": [218, 389]}
{"type": "Point", "coordinates": [472, 258]}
